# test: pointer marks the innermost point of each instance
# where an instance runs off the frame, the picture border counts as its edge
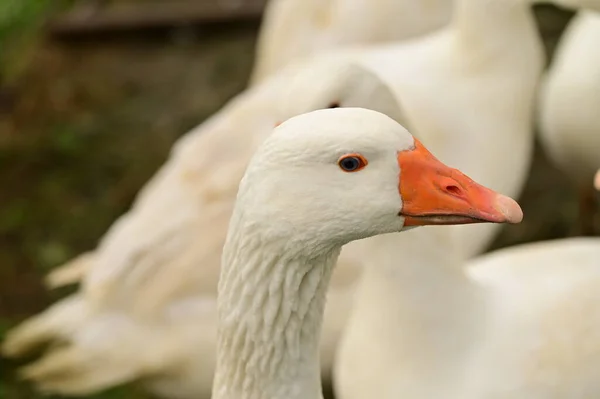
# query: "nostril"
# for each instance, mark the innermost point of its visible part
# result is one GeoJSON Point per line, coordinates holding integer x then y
{"type": "Point", "coordinates": [452, 189]}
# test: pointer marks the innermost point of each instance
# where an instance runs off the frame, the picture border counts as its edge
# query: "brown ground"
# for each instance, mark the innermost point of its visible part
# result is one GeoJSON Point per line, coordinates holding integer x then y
{"type": "Point", "coordinates": [85, 123]}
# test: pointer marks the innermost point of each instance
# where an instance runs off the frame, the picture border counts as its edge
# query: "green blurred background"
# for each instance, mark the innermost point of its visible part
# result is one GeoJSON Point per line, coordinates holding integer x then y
{"type": "Point", "coordinates": [86, 120]}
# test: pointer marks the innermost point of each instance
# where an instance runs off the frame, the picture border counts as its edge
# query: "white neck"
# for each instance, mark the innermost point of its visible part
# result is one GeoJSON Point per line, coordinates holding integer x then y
{"type": "Point", "coordinates": [271, 300]}
{"type": "Point", "coordinates": [415, 302]}
{"type": "Point", "coordinates": [491, 27]}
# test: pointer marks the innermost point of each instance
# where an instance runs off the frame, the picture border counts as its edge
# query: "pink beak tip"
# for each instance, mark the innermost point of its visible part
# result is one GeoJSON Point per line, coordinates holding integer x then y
{"type": "Point", "coordinates": [509, 208]}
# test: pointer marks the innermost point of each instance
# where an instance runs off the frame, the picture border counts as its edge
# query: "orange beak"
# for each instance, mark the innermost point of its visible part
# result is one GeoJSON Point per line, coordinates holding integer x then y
{"type": "Point", "coordinates": [433, 193]}
{"type": "Point", "coordinates": [597, 180]}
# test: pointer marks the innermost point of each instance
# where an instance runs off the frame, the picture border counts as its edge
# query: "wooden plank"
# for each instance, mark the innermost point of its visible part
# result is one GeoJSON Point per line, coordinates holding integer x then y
{"type": "Point", "coordinates": [133, 16]}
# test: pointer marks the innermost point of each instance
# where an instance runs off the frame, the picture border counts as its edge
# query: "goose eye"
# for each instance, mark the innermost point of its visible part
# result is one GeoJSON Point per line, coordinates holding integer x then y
{"type": "Point", "coordinates": [352, 162]}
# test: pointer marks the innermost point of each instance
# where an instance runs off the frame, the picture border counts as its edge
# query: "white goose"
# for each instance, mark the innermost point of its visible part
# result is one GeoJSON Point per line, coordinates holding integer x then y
{"type": "Point", "coordinates": [147, 306]}
{"type": "Point", "coordinates": [320, 181]}
{"type": "Point", "coordinates": [569, 109]}
{"type": "Point", "coordinates": [295, 29]}
{"type": "Point", "coordinates": [518, 323]}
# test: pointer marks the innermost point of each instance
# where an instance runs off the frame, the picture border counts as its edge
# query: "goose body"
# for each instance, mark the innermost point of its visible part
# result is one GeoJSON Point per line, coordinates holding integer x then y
{"type": "Point", "coordinates": [146, 307]}
{"type": "Point", "coordinates": [296, 29]}
{"type": "Point", "coordinates": [518, 323]}
{"type": "Point", "coordinates": [321, 180]}
{"type": "Point", "coordinates": [569, 118]}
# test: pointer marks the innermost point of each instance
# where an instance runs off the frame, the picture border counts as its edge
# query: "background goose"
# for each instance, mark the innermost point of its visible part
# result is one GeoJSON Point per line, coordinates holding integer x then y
{"type": "Point", "coordinates": [569, 118]}
{"type": "Point", "coordinates": [516, 323]}
{"type": "Point", "coordinates": [321, 180]}
{"type": "Point", "coordinates": [146, 309]}
{"type": "Point", "coordinates": [295, 29]}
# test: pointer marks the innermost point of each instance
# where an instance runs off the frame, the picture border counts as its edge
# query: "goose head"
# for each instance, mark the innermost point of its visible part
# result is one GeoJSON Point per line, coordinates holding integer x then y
{"type": "Point", "coordinates": [339, 175]}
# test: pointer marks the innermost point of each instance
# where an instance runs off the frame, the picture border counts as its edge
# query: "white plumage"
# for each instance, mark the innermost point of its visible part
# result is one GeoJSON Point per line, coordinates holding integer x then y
{"type": "Point", "coordinates": [293, 30]}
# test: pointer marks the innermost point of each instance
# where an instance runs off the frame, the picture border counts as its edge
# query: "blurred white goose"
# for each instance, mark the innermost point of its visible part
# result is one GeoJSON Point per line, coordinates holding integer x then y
{"type": "Point", "coordinates": [519, 323]}
{"type": "Point", "coordinates": [570, 109]}
{"type": "Point", "coordinates": [294, 29]}
{"type": "Point", "coordinates": [320, 181]}
{"type": "Point", "coordinates": [147, 306]}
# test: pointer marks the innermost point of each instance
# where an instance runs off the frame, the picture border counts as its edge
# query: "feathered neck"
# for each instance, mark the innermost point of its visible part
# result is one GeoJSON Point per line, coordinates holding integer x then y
{"type": "Point", "coordinates": [493, 26]}
{"type": "Point", "coordinates": [271, 301]}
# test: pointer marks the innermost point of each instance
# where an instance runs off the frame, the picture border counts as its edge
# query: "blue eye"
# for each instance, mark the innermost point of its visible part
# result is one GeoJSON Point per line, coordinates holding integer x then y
{"type": "Point", "coordinates": [352, 162]}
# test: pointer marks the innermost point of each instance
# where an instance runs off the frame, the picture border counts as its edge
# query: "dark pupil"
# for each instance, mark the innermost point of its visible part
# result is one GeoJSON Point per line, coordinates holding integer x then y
{"type": "Point", "coordinates": [350, 164]}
